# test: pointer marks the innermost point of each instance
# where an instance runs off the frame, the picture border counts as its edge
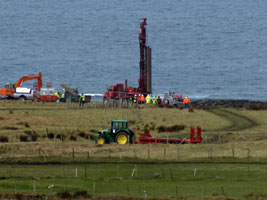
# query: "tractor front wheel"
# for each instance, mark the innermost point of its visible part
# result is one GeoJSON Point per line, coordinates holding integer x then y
{"type": "Point", "coordinates": [100, 140]}
{"type": "Point", "coordinates": [122, 138]}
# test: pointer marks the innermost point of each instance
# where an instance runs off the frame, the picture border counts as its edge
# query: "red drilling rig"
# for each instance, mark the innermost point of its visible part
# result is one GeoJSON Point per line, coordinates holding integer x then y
{"type": "Point", "coordinates": [122, 91]}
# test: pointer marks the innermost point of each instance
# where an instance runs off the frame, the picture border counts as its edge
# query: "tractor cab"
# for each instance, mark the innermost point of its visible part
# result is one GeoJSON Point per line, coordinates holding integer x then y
{"type": "Point", "coordinates": [119, 133]}
{"type": "Point", "coordinates": [118, 125]}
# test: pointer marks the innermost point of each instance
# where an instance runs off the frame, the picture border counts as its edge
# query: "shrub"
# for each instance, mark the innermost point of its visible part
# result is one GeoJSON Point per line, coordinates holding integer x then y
{"type": "Point", "coordinates": [82, 193]}
{"type": "Point", "coordinates": [61, 137]}
{"type": "Point", "coordinates": [190, 109]}
{"type": "Point", "coordinates": [171, 128]}
{"type": "Point", "coordinates": [82, 134]}
{"type": "Point", "coordinates": [9, 128]}
{"type": "Point", "coordinates": [73, 138]}
{"type": "Point", "coordinates": [50, 135]}
{"type": "Point", "coordinates": [23, 138]}
{"type": "Point", "coordinates": [3, 139]}
{"type": "Point", "coordinates": [26, 124]}
{"type": "Point", "coordinates": [64, 195]}
{"type": "Point", "coordinates": [34, 137]}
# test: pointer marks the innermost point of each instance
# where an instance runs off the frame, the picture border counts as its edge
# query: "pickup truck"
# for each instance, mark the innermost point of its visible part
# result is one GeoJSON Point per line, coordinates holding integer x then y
{"type": "Point", "coordinates": [22, 94]}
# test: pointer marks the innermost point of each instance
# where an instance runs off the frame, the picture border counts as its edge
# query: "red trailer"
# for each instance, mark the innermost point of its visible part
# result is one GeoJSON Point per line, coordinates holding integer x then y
{"type": "Point", "coordinates": [194, 139]}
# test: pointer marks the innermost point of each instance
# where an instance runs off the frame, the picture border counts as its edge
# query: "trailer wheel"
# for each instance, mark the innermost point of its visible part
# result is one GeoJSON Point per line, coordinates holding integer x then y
{"type": "Point", "coordinates": [100, 140]}
{"type": "Point", "coordinates": [122, 138]}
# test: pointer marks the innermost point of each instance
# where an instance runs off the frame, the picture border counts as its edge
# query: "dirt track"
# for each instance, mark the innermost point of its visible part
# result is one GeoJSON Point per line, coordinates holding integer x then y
{"type": "Point", "coordinates": [234, 118]}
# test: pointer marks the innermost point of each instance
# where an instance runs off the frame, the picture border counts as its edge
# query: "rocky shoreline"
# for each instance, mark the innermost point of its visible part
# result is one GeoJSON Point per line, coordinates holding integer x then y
{"type": "Point", "coordinates": [229, 103]}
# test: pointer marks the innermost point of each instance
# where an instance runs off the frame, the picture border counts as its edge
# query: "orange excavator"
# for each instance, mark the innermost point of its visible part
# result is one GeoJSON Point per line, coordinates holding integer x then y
{"type": "Point", "coordinates": [10, 88]}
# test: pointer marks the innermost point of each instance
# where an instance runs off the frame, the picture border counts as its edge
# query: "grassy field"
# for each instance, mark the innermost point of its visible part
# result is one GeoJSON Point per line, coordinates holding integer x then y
{"type": "Point", "coordinates": [229, 136]}
{"type": "Point", "coordinates": [156, 180]}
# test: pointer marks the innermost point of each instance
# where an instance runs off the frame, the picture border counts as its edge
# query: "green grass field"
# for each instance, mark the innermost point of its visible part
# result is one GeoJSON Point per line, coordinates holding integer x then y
{"type": "Point", "coordinates": [157, 180]}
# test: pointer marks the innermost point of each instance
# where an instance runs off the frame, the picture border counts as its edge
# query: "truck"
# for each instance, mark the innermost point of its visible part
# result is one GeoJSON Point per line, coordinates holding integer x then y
{"type": "Point", "coordinates": [23, 93]}
{"type": "Point", "coordinates": [119, 133]}
{"type": "Point", "coordinates": [171, 98]}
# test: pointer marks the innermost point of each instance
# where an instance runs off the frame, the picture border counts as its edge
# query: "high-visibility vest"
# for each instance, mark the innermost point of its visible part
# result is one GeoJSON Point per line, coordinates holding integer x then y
{"type": "Point", "coordinates": [82, 97]}
{"type": "Point", "coordinates": [135, 99]}
{"type": "Point", "coordinates": [148, 99]}
{"type": "Point", "coordinates": [186, 101]}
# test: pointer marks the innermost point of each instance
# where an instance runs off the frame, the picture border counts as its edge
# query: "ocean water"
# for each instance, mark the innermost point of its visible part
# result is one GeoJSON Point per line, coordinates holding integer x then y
{"type": "Point", "coordinates": [201, 49]}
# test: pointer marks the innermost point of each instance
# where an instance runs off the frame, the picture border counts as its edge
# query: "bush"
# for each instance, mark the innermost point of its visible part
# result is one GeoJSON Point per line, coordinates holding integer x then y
{"type": "Point", "coordinates": [64, 195]}
{"type": "Point", "coordinates": [61, 137]}
{"type": "Point", "coordinates": [173, 128]}
{"type": "Point", "coordinates": [3, 139]}
{"type": "Point", "coordinates": [73, 137]}
{"type": "Point", "coordinates": [26, 124]}
{"type": "Point", "coordinates": [23, 138]}
{"type": "Point", "coordinates": [50, 135]}
{"type": "Point", "coordinates": [82, 134]}
{"type": "Point", "coordinates": [190, 109]}
{"type": "Point", "coordinates": [34, 137]}
{"type": "Point", "coordinates": [82, 193]}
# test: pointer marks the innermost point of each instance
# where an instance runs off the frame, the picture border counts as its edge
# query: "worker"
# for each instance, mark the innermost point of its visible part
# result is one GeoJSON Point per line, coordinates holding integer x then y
{"type": "Point", "coordinates": [143, 99]}
{"type": "Point", "coordinates": [81, 100]}
{"type": "Point", "coordinates": [186, 102]}
{"type": "Point", "coordinates": [58, 95]}
{"type": "Point", "coordinates": [148, 99]}
{"type": "Point", "coordinates": [135, 98]}
{"type": "Point", "coordinates": [158, 99]}
{"type": "Point", "coordinates": [155, 100]}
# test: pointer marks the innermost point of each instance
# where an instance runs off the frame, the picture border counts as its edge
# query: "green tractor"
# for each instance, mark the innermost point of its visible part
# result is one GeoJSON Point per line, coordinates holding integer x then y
{"type": "Point", "coordinates": [119, 133]}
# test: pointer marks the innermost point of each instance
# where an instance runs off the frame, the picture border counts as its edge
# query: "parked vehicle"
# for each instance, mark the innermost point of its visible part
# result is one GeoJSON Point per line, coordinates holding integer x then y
{"type": "Point", "coordinates": [22, 94]}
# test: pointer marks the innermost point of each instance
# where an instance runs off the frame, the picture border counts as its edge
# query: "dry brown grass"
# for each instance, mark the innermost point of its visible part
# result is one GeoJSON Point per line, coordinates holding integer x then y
{"type": "Point", "coordinates": [58, 119]}
{"type": "Point", "coordinates": [58, 126]}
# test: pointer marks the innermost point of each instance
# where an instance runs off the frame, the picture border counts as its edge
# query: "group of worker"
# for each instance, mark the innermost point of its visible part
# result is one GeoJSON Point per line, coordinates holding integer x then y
{"type": "Point", "coordinates": [141, 99]}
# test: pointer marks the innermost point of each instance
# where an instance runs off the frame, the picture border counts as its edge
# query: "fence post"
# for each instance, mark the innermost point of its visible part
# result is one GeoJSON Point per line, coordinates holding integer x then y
{"type": "Point", "coordinates": [233, 152]}
{"type": "Point", "coordinates": [248, 153]}
{"type": "Point", "coordinates": [164, 152]}
{"type": "Point", "coordinates": [85, 171]}
{"type": "Point", "coordinates": [73, 153]}
{"type": "Point", "coordinates": [148, 153]}
{"type": "Point", "coordinates": [34, 186]}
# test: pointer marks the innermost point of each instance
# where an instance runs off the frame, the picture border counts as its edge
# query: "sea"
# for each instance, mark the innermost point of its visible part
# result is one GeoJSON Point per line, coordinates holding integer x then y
{"type": "Point", "coordinates": [200, 48]}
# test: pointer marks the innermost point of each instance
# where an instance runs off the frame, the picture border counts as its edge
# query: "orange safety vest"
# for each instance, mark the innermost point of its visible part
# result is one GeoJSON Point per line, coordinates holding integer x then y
{"type": "Point", "coordinates": [186, 100]}
{"type": "Point", "coordinates": [143, 98]}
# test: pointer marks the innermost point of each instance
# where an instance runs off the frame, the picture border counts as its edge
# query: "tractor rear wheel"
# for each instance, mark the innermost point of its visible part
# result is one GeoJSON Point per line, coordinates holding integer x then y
{"type": "Point", "coordinates": [122, 138]}
{"type": "Point", "coordinates": [100, 140]}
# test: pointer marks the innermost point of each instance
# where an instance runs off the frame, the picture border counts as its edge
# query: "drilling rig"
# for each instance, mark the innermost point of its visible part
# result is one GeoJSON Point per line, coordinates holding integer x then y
{"type": "Point", "coordinates": [121, 90]}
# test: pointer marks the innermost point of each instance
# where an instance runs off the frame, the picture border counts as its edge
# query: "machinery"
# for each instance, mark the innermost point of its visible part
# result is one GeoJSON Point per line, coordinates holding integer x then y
{"type": "Point", "coordinates": [122, 91]}
{"type": "Point", "coordinates": [119, 133]}
{"type": "Point", "coordinates": [148, 139]}
{"type": "Point", "coordinates": [173, 99]}
{"type": "Point", "coordinates": [10, 88]}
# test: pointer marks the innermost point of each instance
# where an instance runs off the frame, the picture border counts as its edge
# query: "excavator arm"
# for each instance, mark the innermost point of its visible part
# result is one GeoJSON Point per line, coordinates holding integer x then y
{"type": "Point", "coordinates": [29, 78]}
